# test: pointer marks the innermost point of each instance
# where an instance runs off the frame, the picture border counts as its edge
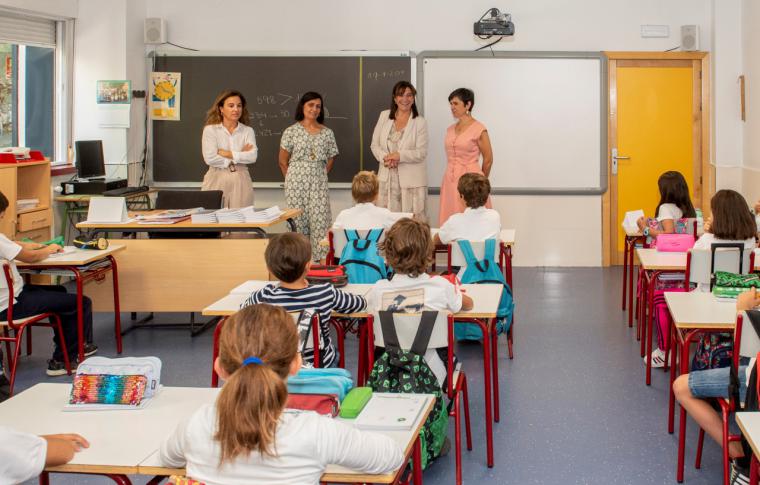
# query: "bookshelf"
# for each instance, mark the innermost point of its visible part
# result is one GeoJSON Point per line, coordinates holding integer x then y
{"type": "Point", "coordinates": [27, 180]}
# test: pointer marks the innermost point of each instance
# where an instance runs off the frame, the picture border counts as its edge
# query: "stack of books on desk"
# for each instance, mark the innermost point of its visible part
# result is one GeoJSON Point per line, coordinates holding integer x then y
{"type": "Point", "coordinates": [171, 216]}
{"type": "Point", "coordinates": [247, 215]}
{"type": "Point", "coordinates": [206, 216]}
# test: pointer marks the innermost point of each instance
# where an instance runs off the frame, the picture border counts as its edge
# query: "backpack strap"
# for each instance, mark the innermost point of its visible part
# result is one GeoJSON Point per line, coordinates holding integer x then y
{"type": "Point", "coordinates": [374, 235]}
{"type": "Point", "coordinates": [466, 248]}
{"type": "Point", "coordinates": [424, 331]}
{"type": "Point", "coordinates": [351, 234]}
{"type": "Point", "coordinates": [390, 337]}
{"type": "Point", "coordinates": [489, 253]}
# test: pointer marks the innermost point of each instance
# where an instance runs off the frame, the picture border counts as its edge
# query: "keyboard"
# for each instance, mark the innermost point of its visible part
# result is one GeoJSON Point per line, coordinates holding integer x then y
{"type": "Point", "coordinates": [122, 191]}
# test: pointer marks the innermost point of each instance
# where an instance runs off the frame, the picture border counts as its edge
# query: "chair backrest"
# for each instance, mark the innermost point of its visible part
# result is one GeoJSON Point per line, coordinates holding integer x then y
{"type": "Point", "coordinates": [189, 199]}
{"type": "Point", "coordinates": [406, 329]}
{"type": "Point", "coordinates": [700, 265]}
{"type": "Point", "coordinates": [745, 337]}
{"type": "Point", "coordinates": [309, 335]}
{"type": "Point", "coordinates": [478, 248]}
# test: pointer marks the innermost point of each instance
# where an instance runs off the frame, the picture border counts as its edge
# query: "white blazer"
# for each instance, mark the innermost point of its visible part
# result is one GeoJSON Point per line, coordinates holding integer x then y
{"type": "Point", "coordinates": [412, 148]}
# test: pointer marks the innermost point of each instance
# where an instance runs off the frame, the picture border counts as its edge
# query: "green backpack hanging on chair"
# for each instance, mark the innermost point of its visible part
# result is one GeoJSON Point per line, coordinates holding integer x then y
{"type": "Point", "coordinates": [405, 371]}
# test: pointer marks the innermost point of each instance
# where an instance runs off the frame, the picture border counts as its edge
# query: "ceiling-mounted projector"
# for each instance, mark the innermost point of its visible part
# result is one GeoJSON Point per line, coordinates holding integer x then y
{"type": "Point", "coordinates": [496, 24]}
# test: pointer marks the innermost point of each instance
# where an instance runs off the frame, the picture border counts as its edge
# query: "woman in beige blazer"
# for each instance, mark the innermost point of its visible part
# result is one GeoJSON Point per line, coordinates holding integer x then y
{"type": "Point", "coordinates": [400, 143]}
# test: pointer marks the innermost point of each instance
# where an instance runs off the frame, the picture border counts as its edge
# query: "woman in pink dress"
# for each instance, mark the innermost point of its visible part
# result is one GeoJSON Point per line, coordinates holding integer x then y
{"type": "Point", "coordinates": [466, 140]}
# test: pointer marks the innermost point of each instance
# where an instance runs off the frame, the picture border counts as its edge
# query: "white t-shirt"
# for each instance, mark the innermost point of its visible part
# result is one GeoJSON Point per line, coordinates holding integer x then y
{"type": "Point", "coordinates": [9, 250]}
{"type": "Point", "coordinates": [669, 211]}
{"type": "Point", "coordinates": [439, 295]}
{"type": "Point", "coordinates": [472, 224]}
{"type": "Point", "coordinates": [706, 240]}
{"type": "Point", "coordinates": [22, 456]}
{"type": "Point", "coordinates": [305, 442]}
{"type": "Point", "coordinates": [366, 215]}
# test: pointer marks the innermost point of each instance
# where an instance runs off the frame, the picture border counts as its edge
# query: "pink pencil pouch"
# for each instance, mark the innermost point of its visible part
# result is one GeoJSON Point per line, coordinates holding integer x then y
{"type": "Point", "coordinates": [674, 243]}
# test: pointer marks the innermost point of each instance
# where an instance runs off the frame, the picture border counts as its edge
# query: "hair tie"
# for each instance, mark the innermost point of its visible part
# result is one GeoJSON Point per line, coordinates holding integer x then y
{"type": "Point", "coordinates": [252, 360]}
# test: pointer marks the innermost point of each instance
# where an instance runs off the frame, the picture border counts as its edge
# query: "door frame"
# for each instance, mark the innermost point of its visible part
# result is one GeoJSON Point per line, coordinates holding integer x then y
{"type": "Point", "coordinates": [704, 172]}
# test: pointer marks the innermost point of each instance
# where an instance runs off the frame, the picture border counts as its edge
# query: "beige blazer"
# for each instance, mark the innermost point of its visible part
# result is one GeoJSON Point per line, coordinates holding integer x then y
{"type": "Point", "coordinates": [412, 167]}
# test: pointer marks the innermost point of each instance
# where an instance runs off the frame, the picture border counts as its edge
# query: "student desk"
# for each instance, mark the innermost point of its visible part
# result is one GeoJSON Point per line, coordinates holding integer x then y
{"type": "Point", "coordinates": [749, 423]}
{"type": "Point", "coordinates": [91, 229]}
{"type": "Point", "coordinates": [694, 313]}
{"type": "Point", "coordinates": [84, 265]}
{"type": "Point", "coordinates": [127, 442]}
{"type": "Point", "coordinates": [486, 299]}
{"type": "Point", "coordinates": [77, 205]}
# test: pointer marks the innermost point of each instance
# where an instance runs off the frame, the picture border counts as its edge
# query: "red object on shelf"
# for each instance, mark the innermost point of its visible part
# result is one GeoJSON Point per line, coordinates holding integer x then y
{"type": "Point", "coordinates": [34, 156]}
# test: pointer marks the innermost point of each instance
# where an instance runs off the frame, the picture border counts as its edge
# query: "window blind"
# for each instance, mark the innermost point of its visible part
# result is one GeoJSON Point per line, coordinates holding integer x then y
{"type": "Point", "coordinates": [21, 29]}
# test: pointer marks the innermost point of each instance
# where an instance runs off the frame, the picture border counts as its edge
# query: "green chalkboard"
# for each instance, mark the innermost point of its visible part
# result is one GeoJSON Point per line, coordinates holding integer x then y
{"type": "Point", "coordinates": [355, 90]}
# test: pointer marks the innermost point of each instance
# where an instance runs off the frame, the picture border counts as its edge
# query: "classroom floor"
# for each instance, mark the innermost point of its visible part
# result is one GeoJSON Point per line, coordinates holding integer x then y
{"type": "Point", "coordinates": [574, 408]}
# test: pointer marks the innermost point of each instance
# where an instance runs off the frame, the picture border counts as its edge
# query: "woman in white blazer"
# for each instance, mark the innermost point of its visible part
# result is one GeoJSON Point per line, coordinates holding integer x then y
{"type": "Point", "coordinates": [400, 143]}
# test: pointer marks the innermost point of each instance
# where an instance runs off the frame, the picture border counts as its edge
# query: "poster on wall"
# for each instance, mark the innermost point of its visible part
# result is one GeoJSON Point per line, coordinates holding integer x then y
{"type": "Point", "coordinates": [114, 92]}
{"type": "Point", "coordinates": [165, 90]}
{"type": "Point", "coordinates": [113, 98]}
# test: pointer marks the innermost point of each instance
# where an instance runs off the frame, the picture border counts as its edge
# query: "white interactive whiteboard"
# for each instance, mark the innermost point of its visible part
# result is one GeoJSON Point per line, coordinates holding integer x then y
{"type": "Point", "coordinates": [545, 114]}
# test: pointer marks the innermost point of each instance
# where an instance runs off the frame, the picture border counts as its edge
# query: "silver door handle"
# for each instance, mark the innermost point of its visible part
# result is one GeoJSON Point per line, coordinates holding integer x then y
{"type": "Point", "coordinates": [615, 157]}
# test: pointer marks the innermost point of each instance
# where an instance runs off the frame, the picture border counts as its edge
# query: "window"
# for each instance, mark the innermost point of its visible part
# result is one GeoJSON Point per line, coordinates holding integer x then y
{"type": "Point", "coordinates": [33, 113]}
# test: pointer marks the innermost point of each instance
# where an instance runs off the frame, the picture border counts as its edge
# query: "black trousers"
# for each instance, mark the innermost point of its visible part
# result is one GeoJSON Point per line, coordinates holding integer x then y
{"type": "Point", "coordinates": [35, 299]}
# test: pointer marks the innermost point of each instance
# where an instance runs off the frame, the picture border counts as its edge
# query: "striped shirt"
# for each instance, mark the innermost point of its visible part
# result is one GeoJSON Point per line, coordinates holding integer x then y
{"type": "Point", "coordinates": [324, 298]}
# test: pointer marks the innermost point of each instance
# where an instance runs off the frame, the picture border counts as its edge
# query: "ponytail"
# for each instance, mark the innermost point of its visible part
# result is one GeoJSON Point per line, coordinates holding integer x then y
{"type": "Point", "coordinates": [253, 398]}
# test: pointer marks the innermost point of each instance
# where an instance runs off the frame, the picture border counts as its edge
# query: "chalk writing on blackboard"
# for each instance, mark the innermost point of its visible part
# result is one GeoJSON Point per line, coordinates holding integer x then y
{"type": "Point", "coordinates": [390, 74]}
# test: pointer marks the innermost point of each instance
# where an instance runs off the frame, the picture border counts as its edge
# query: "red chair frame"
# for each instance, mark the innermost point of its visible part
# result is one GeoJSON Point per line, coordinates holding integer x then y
{"type": "Point", "coordinates": [18, 330]}
{"type": "Point", "coordinates": [453, 390]}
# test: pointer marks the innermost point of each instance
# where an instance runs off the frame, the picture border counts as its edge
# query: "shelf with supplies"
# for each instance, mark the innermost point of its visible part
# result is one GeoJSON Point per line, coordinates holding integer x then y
{"type": "Point", "coordinates": [27, 187]}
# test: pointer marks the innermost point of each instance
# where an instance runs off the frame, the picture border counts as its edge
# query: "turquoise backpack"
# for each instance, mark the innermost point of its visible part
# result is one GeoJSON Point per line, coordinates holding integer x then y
{"type": "Point", "coordinates": [485, 271]}
{"type": "Point", "coordinates": [362, 259]}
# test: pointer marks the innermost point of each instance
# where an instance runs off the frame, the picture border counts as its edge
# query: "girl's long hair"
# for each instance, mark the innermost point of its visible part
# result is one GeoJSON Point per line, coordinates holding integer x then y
{"type": "Point", "coordinates": [214, 117]}
{"type": "Point", "coordinates": [731, 218]}
{"type": "Point", "coordinates": [675, 190]}
{"type": "Point", "coordinates": [252, 399]}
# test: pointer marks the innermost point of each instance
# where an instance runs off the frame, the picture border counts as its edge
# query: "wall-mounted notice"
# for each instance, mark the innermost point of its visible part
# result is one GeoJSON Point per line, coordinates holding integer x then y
{"type": "Point", "coordinates": [165, 95]}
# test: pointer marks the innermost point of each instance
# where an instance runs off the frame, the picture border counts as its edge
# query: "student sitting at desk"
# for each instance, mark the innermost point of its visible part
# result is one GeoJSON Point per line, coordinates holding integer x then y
{"type": "Point", "coordinates": [477, 222]}
{"type": "Point", "coordinates": [247, 436]}
{"type": "Point", "coordinates": [365, 214]}
{"type": "Point", "coordinates": [23, 456]}
{"type": "Point", "coordinates": [288, 258]}
{"type": "Point", "coordinates": [408, 249]}
{"type": "Point", "coordinates": [33, 299]}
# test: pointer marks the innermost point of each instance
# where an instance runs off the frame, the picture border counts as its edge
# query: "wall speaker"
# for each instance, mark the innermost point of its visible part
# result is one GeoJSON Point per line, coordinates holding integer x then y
{"type": "Point", "coordinates": [690, 37]}
{"type": "Point", "coordinates": [155, 31]}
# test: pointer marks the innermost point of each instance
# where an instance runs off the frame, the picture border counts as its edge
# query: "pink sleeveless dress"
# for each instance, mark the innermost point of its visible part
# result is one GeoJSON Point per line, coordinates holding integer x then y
{"type": "Point", "coordinates": [463, 156]}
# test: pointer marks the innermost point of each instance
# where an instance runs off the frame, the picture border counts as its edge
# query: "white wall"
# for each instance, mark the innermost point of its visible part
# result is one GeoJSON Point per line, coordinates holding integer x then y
{"type": "Point", "coordinates": [59, 9]}
{"type": "Point", "coordinates": [751, 47]}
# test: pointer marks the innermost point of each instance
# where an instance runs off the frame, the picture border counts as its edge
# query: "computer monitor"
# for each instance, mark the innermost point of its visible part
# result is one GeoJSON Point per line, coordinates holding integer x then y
{"type": "Point", "coordinates": [89, 160]}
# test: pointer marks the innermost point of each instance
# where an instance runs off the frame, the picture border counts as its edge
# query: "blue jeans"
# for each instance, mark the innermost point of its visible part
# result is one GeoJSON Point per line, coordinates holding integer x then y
{"type": "Point", "coordinates": [714, 382]}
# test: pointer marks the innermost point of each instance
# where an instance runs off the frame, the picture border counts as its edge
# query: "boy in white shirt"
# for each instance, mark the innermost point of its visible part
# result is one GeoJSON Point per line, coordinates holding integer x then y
{"type": "Point", "coordinates": [408, 249]}
{"type": "Point", "coordinates": [365, 214]}
{"type": "Point", "coordinates": [477, 222]}
{"type": "Point", "coordinates": [23, 456]}
{"type": "Point", "coordinates": [31, 300]}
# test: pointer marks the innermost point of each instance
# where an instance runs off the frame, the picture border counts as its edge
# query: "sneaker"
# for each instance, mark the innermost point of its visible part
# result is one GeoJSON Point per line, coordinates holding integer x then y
{"type": "Point", "coordinates": [658, 358]}
{"type": "Point", "coordinates": [90, 349]}
{"type": "Point", "coordinates": [56, 368]}
{"type": "Point", "coordinates": [739, 476]}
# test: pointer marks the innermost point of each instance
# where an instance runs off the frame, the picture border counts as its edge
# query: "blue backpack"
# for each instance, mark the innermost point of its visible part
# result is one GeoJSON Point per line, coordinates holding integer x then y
{"type": "Point", "coordinates": [321, 381]}
{"type": "Point", "coordinates": [485, 271]}
{"type": "Point", "coordinates": [361, 258]}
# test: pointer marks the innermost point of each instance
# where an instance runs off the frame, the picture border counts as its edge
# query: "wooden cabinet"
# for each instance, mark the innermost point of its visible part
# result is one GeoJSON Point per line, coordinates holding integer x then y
{"type": "Point", "coordinates": [20, 181]}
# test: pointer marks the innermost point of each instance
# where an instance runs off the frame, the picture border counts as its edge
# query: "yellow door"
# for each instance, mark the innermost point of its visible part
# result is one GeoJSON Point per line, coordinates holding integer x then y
{"type": "Point", "coordinates": [656, 129]}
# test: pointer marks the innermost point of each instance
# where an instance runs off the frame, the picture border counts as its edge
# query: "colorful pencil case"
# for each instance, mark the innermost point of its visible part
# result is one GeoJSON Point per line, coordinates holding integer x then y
{"type": "Point", "coordinates": [354, 402]}
{"type": "Point", "coordinates": [108, 389]}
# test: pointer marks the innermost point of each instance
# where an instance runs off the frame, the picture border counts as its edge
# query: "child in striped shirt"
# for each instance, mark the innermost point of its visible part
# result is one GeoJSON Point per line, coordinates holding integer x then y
{"type": "Point", "coordinates": [288, 258]}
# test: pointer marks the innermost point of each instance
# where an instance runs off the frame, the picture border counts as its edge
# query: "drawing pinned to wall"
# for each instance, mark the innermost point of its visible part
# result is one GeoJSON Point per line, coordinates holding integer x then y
{"type": "Point", "coordinates": [165, 95]}
{"type": "Point", "coordinates": [114, 92]}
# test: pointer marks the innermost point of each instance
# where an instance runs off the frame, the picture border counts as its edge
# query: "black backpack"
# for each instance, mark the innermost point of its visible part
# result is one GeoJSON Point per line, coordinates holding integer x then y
{"type": "Point", "coordinates": [406, 371]}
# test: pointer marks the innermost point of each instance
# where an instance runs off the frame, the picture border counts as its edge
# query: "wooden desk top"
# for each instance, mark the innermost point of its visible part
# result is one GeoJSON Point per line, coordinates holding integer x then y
{"type": "Point", "coordinates": [119, 440]}
{"type": "Point", "coordinates": [77, 257]}
{"type": "Point", "coordinates": [749, 423]}
{"type": "Point", "coordinates": [87, 197]}
{"type": "Point", "coordinates": [701, 310]}
{"type": "Point", "coordinates": [485, 297]}
{"type": "Point", "coordinates": [333, 473]}
{"type": "Point", "coordinates": [186, 225]}
{"type": "Point", "coordinates": [653, 260]}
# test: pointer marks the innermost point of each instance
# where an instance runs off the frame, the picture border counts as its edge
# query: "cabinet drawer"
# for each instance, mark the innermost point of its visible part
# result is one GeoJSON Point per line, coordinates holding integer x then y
{"type": "Point", "coordinates": [34, 220]}
{"type": "Point", "coordinates": [36, 235]}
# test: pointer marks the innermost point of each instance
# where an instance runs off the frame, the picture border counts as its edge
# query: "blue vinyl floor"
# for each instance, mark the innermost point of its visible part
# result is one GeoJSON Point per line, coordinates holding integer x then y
{"type": "Point", "coordinates": [574, 406]}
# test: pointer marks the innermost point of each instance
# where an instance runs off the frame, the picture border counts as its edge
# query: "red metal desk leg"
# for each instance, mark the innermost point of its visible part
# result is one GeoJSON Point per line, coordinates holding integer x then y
{"type": "Point", "coordinates": [495, 361]}
{"type": "Point", "coordinates": [630, 287]}
{"type": "Point", "coordinates": [673, 373]}
{"type": "Point", "coordinates": [648, 332]}
{"type": "Point", "coordinates": [80, 318]}
{"type": "Point", "coordinates": [417, 462]}
{"type": "Point", "coordinates": [487, 387]}
{"type": "Point", "coordinates": [685, 345]}
{"type": "Point", "coordinates": [625, 269]}
{"type": "Point", "coordinates": [116, 303]}
{"type": "Point", "coordinates": [753, 470]}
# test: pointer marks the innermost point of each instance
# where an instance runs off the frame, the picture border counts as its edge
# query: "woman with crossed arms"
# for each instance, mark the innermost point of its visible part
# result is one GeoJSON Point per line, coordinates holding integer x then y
{"type": "Point", "coordinates": [229, 145]}
{"type": "Point", "coordinates": [400, 143]}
